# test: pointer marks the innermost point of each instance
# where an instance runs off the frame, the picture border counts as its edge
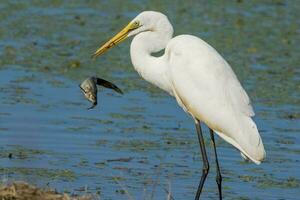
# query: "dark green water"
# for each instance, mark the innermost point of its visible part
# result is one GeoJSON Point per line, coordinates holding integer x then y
{"type": "Point", "coordinates": [142, 141]}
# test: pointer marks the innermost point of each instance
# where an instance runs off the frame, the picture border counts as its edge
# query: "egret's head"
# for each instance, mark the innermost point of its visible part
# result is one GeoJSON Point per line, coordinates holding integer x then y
{"type": "Point", "coordinates": [145, 21]}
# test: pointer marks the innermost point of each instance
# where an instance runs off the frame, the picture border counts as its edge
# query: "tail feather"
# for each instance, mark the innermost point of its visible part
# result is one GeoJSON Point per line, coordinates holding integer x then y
{"type": "Point", "coordinates": [248, 141]}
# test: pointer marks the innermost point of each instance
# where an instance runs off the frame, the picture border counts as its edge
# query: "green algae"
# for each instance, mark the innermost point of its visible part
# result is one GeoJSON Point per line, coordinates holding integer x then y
{"type": "Point", "coordinates": [21, 152]}
{"type": "Point", "coordinates": [50, 174]}
{"type": "Point", "coordinates": [290, 182]}
{"type": "Point", "coordinates": [58, 38]}
{"type": "Point", "coordinates": [137, 145]}
{"type": "Point", "coordinates": [269, 181]}
{"type": "Point", "coordinates": [126, 116]}
{"type": "Point", "coordinates": [78, 128]}
{"type": "Point", "coordinates": [174, 142]}
{"type": "Point", "coordinates": [93, 120]}
{"type": "Point", "coordinates": [70, 38]}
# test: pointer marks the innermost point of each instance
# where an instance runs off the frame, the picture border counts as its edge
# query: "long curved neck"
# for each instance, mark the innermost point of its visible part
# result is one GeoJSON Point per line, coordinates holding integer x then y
{"type": "Point", "coordinates": [152, 69]}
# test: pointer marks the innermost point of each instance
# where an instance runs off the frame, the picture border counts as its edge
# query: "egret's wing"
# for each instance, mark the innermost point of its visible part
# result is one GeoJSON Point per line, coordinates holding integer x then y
{"type": "Point", "coordinates": [207, 88]}
{"type": "Point", "coordinates": [238, 95]}
{"type": "Point", "coordinates": [194, 62]}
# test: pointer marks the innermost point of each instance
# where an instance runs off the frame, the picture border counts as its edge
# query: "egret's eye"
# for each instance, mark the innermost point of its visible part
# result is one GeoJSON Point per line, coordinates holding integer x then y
{"type": "Point", "coordinates": [135, 24]}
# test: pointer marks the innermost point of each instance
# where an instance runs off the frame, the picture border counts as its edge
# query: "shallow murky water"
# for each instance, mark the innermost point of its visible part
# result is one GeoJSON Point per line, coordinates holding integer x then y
{"type": "Point", "coordinates": [142, 142]}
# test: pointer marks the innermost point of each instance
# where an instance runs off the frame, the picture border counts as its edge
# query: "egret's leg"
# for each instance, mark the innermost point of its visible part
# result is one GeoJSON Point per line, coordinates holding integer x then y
{"type": "Point", "coordinates": [205, 168]}
{"type": "Point", "coordinates": [219, 176]}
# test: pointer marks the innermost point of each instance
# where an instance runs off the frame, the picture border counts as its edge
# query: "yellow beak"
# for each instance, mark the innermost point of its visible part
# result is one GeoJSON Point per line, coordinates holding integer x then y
{"type": "Point", "coordinates": [119, 37]}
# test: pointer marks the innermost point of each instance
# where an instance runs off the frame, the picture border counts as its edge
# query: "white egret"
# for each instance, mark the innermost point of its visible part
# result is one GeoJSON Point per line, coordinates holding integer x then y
{"type": "Point", "coordinates": [202, 82]}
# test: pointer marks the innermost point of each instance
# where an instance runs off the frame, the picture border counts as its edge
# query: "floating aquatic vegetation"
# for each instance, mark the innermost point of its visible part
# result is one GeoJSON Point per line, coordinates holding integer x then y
{"type": "Point", "coordinates": [21, 152]}
{"type": "Point", "coordinates": [269, 181]}
{"type": "Point", "coordinates": [51, 174]}
{"type": "Point", "coordinates": [137, 145]}
{"type": "Point", "coordinates": [57, 40]}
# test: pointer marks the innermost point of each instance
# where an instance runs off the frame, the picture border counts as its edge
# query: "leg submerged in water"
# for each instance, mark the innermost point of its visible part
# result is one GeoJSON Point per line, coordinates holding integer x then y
{"type": "Point", "coordinates": [219, 176]}
{"type": "Point", "coordinates": [205, 168]}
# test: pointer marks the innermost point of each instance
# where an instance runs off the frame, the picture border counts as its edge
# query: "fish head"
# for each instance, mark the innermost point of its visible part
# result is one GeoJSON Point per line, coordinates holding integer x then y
{"type": "Point", "coordinates": [89, 89]}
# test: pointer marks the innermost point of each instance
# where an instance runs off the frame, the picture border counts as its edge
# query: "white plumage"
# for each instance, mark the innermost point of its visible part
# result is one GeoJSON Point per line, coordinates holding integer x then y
{"type": "Point", "coordinates": [202, 82]}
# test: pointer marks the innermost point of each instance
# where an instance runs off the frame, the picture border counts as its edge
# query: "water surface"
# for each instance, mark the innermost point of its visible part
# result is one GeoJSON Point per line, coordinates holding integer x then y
{"type": "Point", "coordinates": [142, 142]}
